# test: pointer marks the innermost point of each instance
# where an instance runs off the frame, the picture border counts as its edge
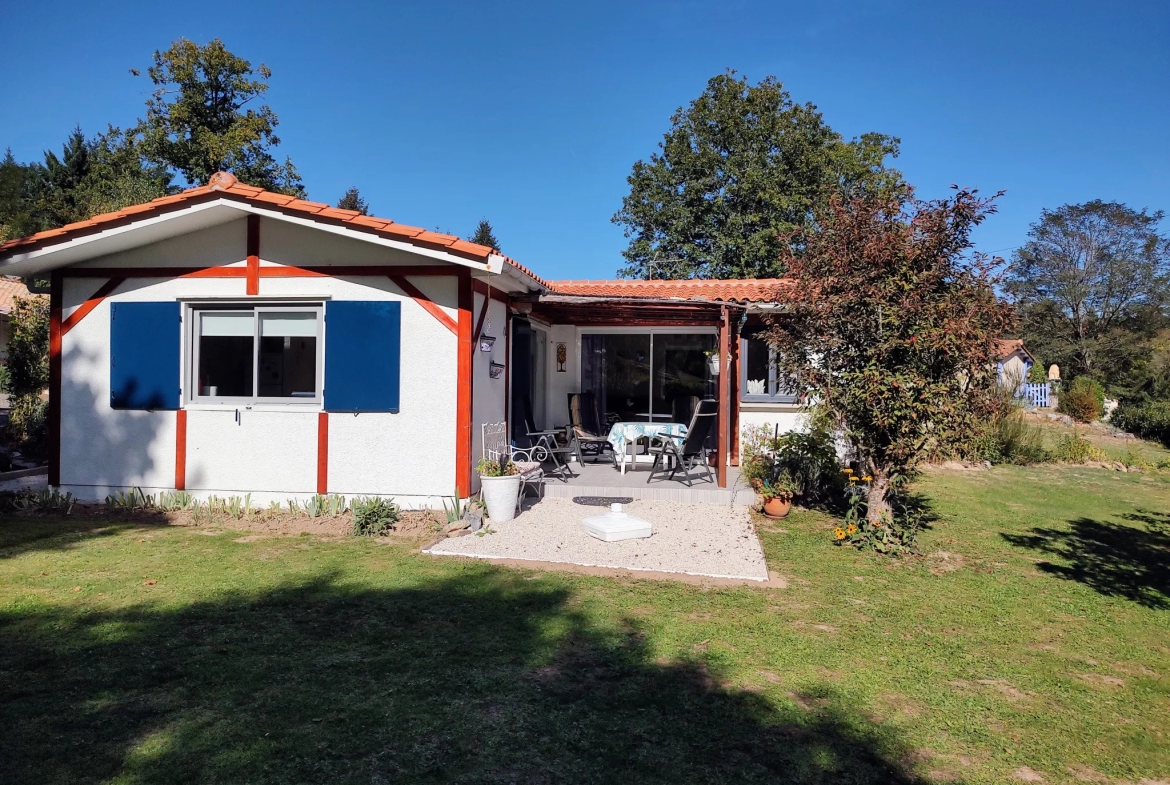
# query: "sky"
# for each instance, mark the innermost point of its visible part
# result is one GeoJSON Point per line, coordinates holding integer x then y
{"type": "Point", "coordinates": [532, 114]}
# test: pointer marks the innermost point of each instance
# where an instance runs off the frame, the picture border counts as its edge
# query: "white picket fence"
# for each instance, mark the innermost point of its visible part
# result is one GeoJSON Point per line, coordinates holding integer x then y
{"type": "Point", "coordinates": [1035, 394]}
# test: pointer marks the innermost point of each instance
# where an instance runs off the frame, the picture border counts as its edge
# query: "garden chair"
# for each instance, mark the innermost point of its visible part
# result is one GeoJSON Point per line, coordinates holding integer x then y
{"type": "Point", "coordinates": [684, 452]}
{"type": "Point", "coordinates": [682, 408]}
{"type": "Point", "coordinates": [496, 447]}
{"type": "Point", "coordinates": [545, 446]}
{"type": "Point", "coordinates": [585, 427]}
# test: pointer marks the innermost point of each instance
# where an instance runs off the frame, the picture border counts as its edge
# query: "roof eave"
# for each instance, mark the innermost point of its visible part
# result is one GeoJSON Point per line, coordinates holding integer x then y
{"type": "Point", "coordinates": [75, 248]}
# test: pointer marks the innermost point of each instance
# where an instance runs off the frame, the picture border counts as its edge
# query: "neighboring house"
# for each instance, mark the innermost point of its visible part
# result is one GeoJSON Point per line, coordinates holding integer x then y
{"type": "Point", "coordinates": [1014, 362]}
{"type": "Point", "coordinates": [10, 289]}
{"type": "Point", "coordinates": [229, 340]}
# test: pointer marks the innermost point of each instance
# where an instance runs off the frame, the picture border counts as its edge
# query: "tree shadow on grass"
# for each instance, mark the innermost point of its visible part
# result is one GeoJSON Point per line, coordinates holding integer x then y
{"type": "Point", "coordinates": [20, 534]}
{"type": "Point", "coordinates": [1115, 559]}
{"type": "Point", "coordinates": [485, 677]}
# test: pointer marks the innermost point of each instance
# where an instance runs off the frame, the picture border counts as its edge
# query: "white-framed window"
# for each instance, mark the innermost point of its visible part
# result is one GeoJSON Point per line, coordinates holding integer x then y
{"type": "Point", "coordinates": [243, 353]}
{"type": "Point", "coordinates": [760, 380]}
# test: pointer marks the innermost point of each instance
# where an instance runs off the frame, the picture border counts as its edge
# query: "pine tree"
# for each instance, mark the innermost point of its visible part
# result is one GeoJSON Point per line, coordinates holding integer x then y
{"type": "Point", "coordinates": [353, 201]}
{"type": "Point", "coordinates": [483, 236]}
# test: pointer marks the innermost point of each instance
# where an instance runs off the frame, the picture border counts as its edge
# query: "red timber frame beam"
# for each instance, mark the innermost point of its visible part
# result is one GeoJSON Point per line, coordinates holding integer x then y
{"type": "Point", "coordinates": [427, 303]}
{"type": "Point", "coordinates": [463, 396]}
{"type": "Point", "coordinates": [723, 453]}
{"type": "Point", "coordinates": [252, 266]}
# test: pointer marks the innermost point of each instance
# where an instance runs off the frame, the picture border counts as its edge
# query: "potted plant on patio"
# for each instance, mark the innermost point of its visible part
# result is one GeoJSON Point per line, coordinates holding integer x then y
{"type": "Point", "coordinates": [499, 482]}
{"type": "Point", "coordinates": [777, 493]}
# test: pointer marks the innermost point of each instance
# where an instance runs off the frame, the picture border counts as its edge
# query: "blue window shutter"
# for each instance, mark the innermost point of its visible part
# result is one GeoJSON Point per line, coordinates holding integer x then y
{"type": "Point", "coordinates": [144, 355]}
{"type": "Point", "coordinates": [362, 355]}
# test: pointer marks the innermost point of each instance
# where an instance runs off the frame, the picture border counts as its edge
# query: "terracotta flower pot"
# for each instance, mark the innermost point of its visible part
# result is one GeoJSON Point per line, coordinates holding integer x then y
{"type": "Point", "coordinates": [777, 507]}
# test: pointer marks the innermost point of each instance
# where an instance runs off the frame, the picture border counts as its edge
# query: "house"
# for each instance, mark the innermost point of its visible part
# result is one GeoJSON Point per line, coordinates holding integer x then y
{"type": "Point", "coordinates": [10, 289]}
{"type": "Point", "coordinates": [228, 340]}
{"type": "Point", "coordinates": [1014, 362]}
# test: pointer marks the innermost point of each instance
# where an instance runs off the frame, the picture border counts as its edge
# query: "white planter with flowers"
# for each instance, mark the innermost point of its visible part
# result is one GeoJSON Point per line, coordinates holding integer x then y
{"type": "Point", "coordinates": [500, 494]}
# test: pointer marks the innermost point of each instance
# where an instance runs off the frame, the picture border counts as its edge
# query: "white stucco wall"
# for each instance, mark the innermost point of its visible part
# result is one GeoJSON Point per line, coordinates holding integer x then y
{"type": "Point", "coordinates": [789, 418]}
{"type": "Point", "coordinates": [489, 403]}
{"type": "Point", "coordinates": [269, 451]}
{"type": "Point", "coordinates": [561, 384]}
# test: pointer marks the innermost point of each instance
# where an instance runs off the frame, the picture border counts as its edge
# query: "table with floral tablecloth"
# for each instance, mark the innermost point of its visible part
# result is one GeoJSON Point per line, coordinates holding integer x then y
{"type": "Point", "coordinates": [622, 433]}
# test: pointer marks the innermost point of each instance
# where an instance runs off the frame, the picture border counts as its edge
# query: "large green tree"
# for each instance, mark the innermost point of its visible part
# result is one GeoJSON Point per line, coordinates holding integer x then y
{"type": "Point", "coordinates": [1091, 286]}
{"type": "Point", "coordinates": [740, 167]}
{"type": "Point", "coordinates": [202, 118]}
{"type": "Point", "coordinates": [891, 324]}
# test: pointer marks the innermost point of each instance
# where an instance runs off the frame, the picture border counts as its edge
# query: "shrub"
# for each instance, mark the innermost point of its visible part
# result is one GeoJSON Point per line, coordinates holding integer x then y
{"type": "Point", "coordinates": [1072, 448]}
{"type": "Point", "coordinates": [808, 459]}
{"type": "Point", "coordinates": [1149, 419]}
{"type": "Point", "coordinates": [1084, 400]}
{"type": "Point", "coordinates": [374, 516]}
{"type": "Point", "coordinates": [28, 375]}
{"type": "Point", "coordinates": [1037, 374]}
{"type": "Point", "coordinates": [1009, 438]}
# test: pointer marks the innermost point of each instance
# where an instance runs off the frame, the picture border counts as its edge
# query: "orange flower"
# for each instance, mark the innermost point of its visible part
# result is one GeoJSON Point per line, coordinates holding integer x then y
{"type": "Point", "coordinates": [839, 533]}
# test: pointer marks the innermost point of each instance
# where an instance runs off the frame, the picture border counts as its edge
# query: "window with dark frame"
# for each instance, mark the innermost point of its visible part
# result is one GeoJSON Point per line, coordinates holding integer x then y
{"type": "Point", "coordinates": [760, 379]}
{"type": "Point", "coordinates": [261, 353]}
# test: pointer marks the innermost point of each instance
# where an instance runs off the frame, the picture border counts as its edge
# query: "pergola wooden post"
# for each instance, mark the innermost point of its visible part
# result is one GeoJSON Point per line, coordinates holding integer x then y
{"type": "Point", "coordinates": [723, 451]}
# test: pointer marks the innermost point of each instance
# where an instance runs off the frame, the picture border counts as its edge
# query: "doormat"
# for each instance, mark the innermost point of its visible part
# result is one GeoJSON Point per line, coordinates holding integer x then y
{"type": "Point", "coordinates": [602, 501]}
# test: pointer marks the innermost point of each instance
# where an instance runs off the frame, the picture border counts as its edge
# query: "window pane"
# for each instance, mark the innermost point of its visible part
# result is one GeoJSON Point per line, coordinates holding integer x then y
{"type": "Point", "coordinates": [225, 354]}
{"type": "Point", "coordinates": [288, 355]}
{"type": "Point", "coordinates": [302, 325]}
{"type": "Point", "coordinates": [223, 324]}
{"type": "Point", "coordinates": [757, 367]}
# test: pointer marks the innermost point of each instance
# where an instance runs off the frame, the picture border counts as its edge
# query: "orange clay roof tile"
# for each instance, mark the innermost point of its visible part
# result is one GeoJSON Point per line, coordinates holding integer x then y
{"type": "Point", "coordinates": [369, 220]}
{"type": "Point", "coordinates": [734, 290]}
{"type": "Point", "coordinates": [306, 206]}
{"type": "Point", "coordinates": [268, 196]}
{"type": "Point", "coordinates": [402, 230]}
{"type": "Point", "coordinates": [471, 248]}
{"type": "Point", "coordinates": [334, 212]}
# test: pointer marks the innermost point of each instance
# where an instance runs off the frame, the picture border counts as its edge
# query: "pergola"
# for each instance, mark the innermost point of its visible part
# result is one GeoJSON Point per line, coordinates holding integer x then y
{"type": "Point", "coordinates": [650, 312]}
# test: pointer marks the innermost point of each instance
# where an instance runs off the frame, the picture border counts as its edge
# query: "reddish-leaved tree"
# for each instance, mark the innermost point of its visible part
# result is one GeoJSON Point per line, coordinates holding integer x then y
{"type": "Point", "coordinates": [891, 326]}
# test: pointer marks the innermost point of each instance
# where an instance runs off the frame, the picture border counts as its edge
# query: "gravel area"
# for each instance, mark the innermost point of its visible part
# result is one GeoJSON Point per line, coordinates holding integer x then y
{"type": "Point", "coordinates": [715, 540]}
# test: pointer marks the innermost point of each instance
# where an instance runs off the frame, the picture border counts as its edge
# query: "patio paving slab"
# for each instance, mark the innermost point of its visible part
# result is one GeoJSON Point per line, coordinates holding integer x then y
{"type": "Point", "coordinates": [713, 540]}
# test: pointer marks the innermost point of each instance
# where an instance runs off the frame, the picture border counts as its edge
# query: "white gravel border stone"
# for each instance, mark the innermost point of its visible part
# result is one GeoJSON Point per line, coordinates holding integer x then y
{"type": "Point", "coordinates": [712, 540]}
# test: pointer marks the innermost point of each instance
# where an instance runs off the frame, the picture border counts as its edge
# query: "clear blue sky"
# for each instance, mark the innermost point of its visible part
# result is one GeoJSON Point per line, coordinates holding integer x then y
{"type": "Point", "coordinates": [532, 114]}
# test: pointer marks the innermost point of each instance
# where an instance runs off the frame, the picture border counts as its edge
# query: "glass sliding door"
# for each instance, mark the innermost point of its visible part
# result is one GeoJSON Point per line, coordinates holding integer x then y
{"type": "Point", "coordinates": [639, 377]}
{"type": "Point", "coordinates": [681, 376]}
{"type": "Point", "coordinates": [616, 369]}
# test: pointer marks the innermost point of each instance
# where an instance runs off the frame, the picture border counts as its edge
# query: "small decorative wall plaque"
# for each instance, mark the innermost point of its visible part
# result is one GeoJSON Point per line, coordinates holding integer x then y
{"type": "Point", "coordinates": [562, 357]}
{"type": "Point", "coordinates": [486, 342]}
{"type": "Point", "coordinates": [495, 370]}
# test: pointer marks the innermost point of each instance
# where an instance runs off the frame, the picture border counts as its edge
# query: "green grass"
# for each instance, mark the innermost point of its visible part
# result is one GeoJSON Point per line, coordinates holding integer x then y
{"type": "Point", "coordinates": [1035, 632]}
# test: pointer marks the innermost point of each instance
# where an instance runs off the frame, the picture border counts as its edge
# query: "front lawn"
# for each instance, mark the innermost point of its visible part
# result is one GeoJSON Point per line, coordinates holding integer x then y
{"type": "Point", "coordinates": [1033, 640]}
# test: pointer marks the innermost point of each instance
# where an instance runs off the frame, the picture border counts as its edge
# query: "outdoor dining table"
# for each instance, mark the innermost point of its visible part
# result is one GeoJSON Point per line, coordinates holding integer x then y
{"type": "Point", "coordinates": [624, 433]}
